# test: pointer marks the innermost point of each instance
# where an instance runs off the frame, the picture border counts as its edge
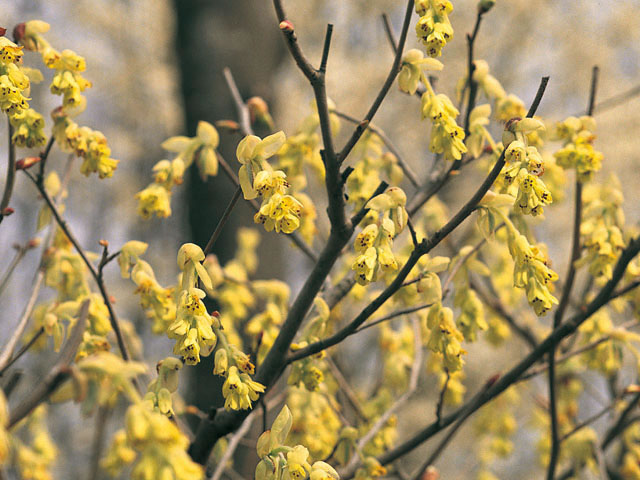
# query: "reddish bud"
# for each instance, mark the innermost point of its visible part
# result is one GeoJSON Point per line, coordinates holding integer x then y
{"type": "Point", "coordinates": [7, 211]}
{"type": "Point", "coordinates": [112, 299]}
{"type": "Point", "coordinates": [510, 123]}
{"type": "Point", "coordinates": [103, 243]}
{"type": "Point", "coordinates": [26, 162]}
{"type": "Point", "coordinates": [431, 473]}
{"type": "Point", "coordinates": [215, 313]}
{"type": "Point", "coordinates": [3, 31]}
{"type": "Point", "coordinates": [33, 243]}
{"type": "Point", "coordinates": [286, 26]}
{"type": "Point", "coordinates": [227, 125]}
{"type": "Point", "coordinates": [491, 380]}
{"type": "Point", "coordinates": [18, 32]}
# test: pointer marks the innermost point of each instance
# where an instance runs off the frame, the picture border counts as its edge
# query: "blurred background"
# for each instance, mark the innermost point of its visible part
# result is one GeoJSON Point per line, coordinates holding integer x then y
{"type": "Point", "coordinates": [156, 68]}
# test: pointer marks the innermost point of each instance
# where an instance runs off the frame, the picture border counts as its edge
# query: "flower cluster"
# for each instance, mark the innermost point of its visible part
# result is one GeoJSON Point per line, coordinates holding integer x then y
{"type": "Point", "coordinates": [471, 318]}
{"type": "Point", "coordinates": [201, 150]}
{"type": "Point", "coordinates": [158, 397]}
{"type": "Point", "coordinates": [90, 145]}
{"type": "Point", "coordinates": [315, 422]}
{"type": "Point", "coordinates": [28, 128]}
{"type": "Point", "coordinates": [278, 211]}
{"type": "Point", "coordinates": [370, 162]}
{"type": "Point", "coordinates": [523, 168]}
{"type": "Point", "coordinates": [156, 443]}
{"type": "Point", "coordinates": [67, 81]}
{"type": "Point", "coordinates": [531, 271]}
{"type": "Point", "coordinates": [444, 338]}
{"type": "Point", "coordinates": [601, 228]}
{"type": "Point", "coordinates": [578, 152]}
{"type": "Point", "coordinates": [373, 245]}
{"type": "Point", "coordinates": [447, 137]}
{"type": "Point", "coordinates": [433, 28]}
{"type": "Point", "coordinates": [14, 83]}
{"type": "Point", "coordinates": [193, 328]}
{"type": "Point", "coordinates": [309, 370]}
{"type": "Point", "coordinates": [281, 462]}
{"type": "Point", "coordinates": [35, 460]}
{"type": "Point", "coordinates": [507, 106]}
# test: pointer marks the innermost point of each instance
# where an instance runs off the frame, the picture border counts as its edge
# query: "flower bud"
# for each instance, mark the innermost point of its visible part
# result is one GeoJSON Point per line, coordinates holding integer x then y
{"type": "Point", "coordinates": [286, 26]}
{"type": "Point", "coordinates": [27, 162]}
{"type": "Point", "coordinates": [485, 5]}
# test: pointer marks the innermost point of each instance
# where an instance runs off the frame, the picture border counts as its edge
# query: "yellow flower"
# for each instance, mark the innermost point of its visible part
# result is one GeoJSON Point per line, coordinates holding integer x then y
{"type": "Point", "coordinates": [239, 390]}
{"type": "Point", "coordinates": [201, 149]}
{"type": "Point", "coordinates": [153, 200]}
{"type": "Point", "coordinates": [252, 152]}
{"type": "Point", "coordinates": [413, 66]}
{"type": "Point", "coordinates": [279, 212]}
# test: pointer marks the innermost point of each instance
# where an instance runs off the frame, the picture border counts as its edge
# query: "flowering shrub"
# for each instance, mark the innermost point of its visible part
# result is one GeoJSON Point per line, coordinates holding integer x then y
{"type": "Point", "coordinates": [378, 255]}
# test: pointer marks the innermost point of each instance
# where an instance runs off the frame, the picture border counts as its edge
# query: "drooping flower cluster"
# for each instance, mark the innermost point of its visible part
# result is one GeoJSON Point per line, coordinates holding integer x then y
{"type": "Point", "coordinates": [14, 83]}
{"type": "Point", "coordinates": [28, 128]}
{"type": "Point", "coordinates": [531, 271]}
{"type": "Point", "coordinates": [523, 168]}
{"type": "Point", "coordinates": [433, 28]}
{"type": "Point", "coordinates": [447, 137]}
{"type": "Point", "coordinates": [601, 227]}
{"type": "Point", "coordinates": [201, 150]}
{"type": "Point", "coordinates": [507, 106]}
{"type": "Point", "coordinates": [158, 397]}
{"type": "Point", "coordinates": [155, 444]}
{"type": "Point", "coordinates": [193, 328]}
{"type": "Point", "coordinates": [373, 245]}
{"type": "Point", "coordinates": [371, 165]}
{"type": "Point", "coordinates": [36, 458]}
{"type": "Point", "coordinates": [472, 317]}
{"type": "Point", "coordinates": [444, 337]}
{"type": "Point", "coordinates": [90, 145]}
{"type": "Point", "coordinates": [279, 211]}
{"type": "Point", "coordinates": [578, 152]}
{"type": "Point", "coordinates": [281, 462]}
{"type": "Point", "coordinates": [309, 370]}
{"type": "Point", "coordinates": [67, 81]}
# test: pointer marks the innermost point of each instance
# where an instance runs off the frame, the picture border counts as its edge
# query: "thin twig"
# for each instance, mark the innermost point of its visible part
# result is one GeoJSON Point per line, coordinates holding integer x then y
{"type": "Point", "coordinates": [102, 416]}
{"type": "Point", "coordinates": [505, 381]}
{"type": "Point", "coordinates": [232, 445]}
{"type": "Point", "coordinates": [345, 387]}
{"type": "Point", "coordinates": [443, 392]}
{"type": "Point", "coordinates": [395, 69]}
{"type": "Point", "coordinates": [9, 348]}
{"type": "Point", "coordinates": [21, 250]}
{"type": "Point", "coordinates": [450, 434]}
{"type": "Point", "coordinates": [223, 220]}
{"type": "Point", "coordinates": [11, 175]}
{"type": "Point", "coordinates": [295, 237]}
{"type": "Point", "coordinates": [406, 169]}
{"type": "Point", "coordinates": [413, 385]}
{"type": "Point", "coordinates": [115, 324]}
{"type": "Point", "coordinates": [58, 373]}
{"type": "Point", "coordinates": [25, 348]}
{"type": "Point", "coordinates": [471, 85]}
{"type": "Point", "coordinates": [564, 300]}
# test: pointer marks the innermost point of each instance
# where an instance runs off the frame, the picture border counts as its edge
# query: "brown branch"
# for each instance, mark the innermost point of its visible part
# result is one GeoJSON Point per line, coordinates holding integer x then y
{"type": "Point", "coordinates": [58, 374]}
{"type": "Point", "coordinates": [25, 348]}
{"type": "Point", "coordinates": [512, 376]}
